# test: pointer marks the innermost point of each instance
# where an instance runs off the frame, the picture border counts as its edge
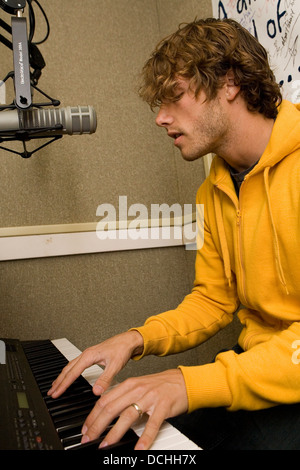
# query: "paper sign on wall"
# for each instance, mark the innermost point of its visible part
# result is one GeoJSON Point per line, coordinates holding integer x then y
{"type": "Point", "coordinates": [276, 24]}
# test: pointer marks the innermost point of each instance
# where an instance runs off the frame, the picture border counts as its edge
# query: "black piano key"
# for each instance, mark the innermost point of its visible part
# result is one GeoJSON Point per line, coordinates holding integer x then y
{"type": "Point", "coordinates": [46, 375]}
{"type": "Point", "coordinates": [70, 430]}
{"type": "Point", "coordinates": [77, 418]}
{"type": "Point", "coordinates": [67, 404]}
{"type": "Point", "coordinates": [71, 441]}
{"type": "Point", "coordinates": [127, 443]}
{"type": "Point", "coordinates": [68, 397]}
{"type": "Point", "coordinates": [57, 364]}
{"type": "Point", "coordinates": [75, 389]}
{"type": "Point", "coordinates": [73, 437]}
{"type": "Point", "coordinates": [66, 429]}
{"type": "Point", "coordinates": [69, 411]}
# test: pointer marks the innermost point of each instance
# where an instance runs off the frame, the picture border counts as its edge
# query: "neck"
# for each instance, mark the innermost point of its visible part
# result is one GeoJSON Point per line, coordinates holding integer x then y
{"type": "Point", "coordinates": [247, 137]}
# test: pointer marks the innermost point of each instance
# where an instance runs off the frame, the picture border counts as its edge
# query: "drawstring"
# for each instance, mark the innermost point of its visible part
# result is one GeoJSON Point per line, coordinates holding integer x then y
{"type": "Point", "coordinates": [275, 238]}
{"type": "Point", "coordinates": [222, 236]}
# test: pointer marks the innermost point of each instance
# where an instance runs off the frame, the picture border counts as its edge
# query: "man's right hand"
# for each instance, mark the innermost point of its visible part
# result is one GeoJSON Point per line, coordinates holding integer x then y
{"type": "Point", "coordinates": [113, 354]}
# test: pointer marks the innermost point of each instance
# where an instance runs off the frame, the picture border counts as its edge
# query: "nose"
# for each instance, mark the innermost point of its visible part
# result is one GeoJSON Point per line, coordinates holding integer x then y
{"type": "Point", "coordinates": [163, 118]}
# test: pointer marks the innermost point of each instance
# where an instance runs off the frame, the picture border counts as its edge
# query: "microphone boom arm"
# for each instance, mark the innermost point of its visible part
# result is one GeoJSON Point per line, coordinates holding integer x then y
{"type": "Point", "coordinates": [26, 55]}
{"type": "Point", "coordinates": [21, 63]}
{"type": "Point", "coordinates": [21, 77]}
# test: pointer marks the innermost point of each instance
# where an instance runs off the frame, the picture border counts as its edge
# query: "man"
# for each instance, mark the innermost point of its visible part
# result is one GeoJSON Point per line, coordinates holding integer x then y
{"type": "Point", "coordinates": [216, 93]}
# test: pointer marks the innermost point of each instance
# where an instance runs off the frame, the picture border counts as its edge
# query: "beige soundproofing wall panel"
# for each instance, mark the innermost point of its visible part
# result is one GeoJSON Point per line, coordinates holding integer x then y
{"type": "Point", "coordinates": [94, 55]}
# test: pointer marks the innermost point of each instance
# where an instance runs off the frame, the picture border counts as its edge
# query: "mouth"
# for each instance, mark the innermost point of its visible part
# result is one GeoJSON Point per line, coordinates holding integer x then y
{"type": "Point", "coordinates": [175, 135]}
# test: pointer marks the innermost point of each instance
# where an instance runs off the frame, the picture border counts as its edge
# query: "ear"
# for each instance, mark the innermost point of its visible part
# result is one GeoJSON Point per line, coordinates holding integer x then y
{"type": "Point", "coordinates": [231, 89]}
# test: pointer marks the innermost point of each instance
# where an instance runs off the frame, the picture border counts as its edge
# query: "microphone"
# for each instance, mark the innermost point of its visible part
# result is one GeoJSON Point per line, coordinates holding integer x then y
{"type": "Point", "coordinates": [35, 123]}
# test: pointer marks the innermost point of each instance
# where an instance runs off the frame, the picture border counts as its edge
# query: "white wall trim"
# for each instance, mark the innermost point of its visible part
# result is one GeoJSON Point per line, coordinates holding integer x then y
{"type": "Point", "coordinates": [73, 243]}
{"type": "Point", "coordinates": [81, 238]}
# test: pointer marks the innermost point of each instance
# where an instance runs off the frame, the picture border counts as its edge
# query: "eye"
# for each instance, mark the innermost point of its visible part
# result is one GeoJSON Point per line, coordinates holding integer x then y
{"type": "Point", "coordinates": [178, 96]}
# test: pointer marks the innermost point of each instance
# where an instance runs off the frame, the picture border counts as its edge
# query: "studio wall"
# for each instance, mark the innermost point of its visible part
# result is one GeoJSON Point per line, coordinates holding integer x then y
{"type": "Point", "coordinates": [94, 55]}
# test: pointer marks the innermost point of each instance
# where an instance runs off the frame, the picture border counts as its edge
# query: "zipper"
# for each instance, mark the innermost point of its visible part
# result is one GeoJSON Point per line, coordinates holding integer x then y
{"type": "Point", "coordinates": [237, 206]}
{"type": "Point", "coordinates": [241, 255]}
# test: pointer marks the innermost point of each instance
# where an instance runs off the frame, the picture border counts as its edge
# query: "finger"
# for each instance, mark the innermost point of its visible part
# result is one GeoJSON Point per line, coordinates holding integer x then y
{"type": "Point", "coordinates": [104, 381]}
{"type": "Point", "coordinates": [96, 422]}
{"type": "Point", "coordinates": [127, 418]}
{"type": "Point", "coordinates": [151, 430]}
{"type": "Point", "coordinates": [61, 377]}
{"type": "Point", "coordinates": [67, 376]}
{"type": "Point", "coordinates": [106, 409]}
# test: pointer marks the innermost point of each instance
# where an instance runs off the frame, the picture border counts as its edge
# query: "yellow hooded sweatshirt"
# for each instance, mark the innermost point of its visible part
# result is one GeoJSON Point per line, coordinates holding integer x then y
{"type": "Point", "coordinates": [250, 256]}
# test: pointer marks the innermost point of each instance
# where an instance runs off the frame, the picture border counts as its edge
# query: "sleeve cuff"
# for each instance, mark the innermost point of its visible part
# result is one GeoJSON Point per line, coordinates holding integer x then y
{"type": "Point", "coordinates": [206, 386]}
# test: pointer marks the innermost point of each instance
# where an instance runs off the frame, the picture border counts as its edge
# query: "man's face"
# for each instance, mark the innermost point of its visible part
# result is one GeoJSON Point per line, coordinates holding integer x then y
{"type": "Point", "coordinates": [197, 125]}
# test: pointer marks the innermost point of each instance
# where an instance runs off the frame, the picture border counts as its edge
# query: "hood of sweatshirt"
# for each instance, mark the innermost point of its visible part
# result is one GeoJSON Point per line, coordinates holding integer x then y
{"type": "Point", "coordinates": [287, 124]}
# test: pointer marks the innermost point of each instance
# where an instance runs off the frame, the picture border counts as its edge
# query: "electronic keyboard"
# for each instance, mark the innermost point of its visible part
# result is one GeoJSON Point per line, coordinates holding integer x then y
{"type": "Point", "coordinates": [32, 420]}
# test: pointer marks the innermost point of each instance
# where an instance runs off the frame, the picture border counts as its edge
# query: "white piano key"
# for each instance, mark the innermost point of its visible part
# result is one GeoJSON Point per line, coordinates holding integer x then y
{"type": "Point", "coordinates": [168, 437]}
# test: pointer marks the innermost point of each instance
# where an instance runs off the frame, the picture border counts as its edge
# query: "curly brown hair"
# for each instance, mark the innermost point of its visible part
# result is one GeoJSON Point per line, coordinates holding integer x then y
{"type": "Point", "coordinates": [204, 51]}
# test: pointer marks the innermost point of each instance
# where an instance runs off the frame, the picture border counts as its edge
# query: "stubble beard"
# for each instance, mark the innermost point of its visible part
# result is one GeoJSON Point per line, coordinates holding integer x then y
{"type": "Point", "coordinates": [209, 134]}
